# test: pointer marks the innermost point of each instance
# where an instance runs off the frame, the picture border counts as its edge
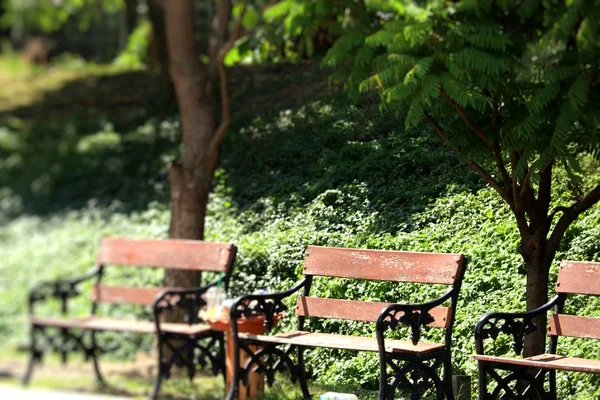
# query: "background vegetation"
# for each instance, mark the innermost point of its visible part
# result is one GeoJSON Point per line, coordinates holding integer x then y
{"type": "Point", "coordinates": [85, 149]}
{"type": "Point", "coordinates": [82, 158]}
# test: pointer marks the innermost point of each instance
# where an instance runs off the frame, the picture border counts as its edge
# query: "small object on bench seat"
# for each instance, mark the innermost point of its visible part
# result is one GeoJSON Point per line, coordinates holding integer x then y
{"type": "Point", "coordinates": [519, 382]}
{"type": "Point", "coordinates": [412, 364]}
{"type": "Point", "coordinates": [65, 334]}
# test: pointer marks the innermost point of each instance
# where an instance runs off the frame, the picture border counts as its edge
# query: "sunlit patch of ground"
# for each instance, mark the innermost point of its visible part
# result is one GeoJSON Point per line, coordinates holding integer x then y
{"type": "Point", "coordinates": [134, 379]}
{"type": "Point", "coordinates": [128, 379]}
{"type": "Point", "coordinates": [22, 83]}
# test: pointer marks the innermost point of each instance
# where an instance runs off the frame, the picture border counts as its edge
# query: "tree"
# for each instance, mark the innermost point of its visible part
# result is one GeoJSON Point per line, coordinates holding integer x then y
{"type": "Point", "coordinates": [511, 86]}
{"type": "Point", "coordinates": [195, 87]}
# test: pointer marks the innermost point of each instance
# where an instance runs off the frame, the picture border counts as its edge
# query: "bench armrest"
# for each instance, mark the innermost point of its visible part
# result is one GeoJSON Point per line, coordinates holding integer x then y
{"type": "Point", "coordinates": [415, 316]}
{"type": "Point", "coordinates": [268, 305]}
{"type": "Point", "coordinates": [519, 325]}
{"type": "Point", "coordinates": [184, 303]}
{"type": "Point", "coordinates": [62, 289]}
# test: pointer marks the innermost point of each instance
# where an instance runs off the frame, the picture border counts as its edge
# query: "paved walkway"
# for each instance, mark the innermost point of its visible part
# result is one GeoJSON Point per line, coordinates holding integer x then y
{"type": "Point", "coordinates": [12, 393]}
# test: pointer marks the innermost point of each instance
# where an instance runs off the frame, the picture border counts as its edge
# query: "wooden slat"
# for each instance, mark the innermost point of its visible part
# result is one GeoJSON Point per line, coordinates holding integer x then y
{"type": "Point", "coordinates": [574, 326]}
{"type": "Point", "coordinates": [143, 296]}
{"type": "Point", "coordinates": [547, 361]}
{"type": "Point", "coordinates": [357, 310]}
{"type": "Point", "coordinates": [173, 254]}
{"type": "Point", "coordinates": [579, 277]}
{"type": "Point", "coordinates": [343, 342]}
{"type": "Point", "coordinates": [400, 266]}
{"type": "Point", "coordinates": [119, 325]}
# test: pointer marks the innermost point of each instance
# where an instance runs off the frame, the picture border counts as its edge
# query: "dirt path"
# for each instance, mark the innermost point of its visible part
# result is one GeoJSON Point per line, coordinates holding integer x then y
{"type": "Point", "coordinates": [53, 381]}
{"type": "Point", "coordinates": [30, 394]}
{"type": "Point", "coordinates": [76, 380]}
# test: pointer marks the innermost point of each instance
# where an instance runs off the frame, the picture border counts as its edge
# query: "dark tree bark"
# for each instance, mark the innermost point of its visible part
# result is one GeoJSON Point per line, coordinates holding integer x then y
{"type": "Point", "coordinates": [195, 88]}
{"type": "Point", "coordinates": [537, 295]}
{"type": "Point", "coordinates": [537, 267]}
{"type": "Point", "coordinates": [190, 177]}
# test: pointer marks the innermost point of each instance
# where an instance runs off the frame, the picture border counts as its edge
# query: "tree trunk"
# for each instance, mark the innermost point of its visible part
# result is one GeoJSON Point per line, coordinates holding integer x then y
{"type": "Point", "coordinates": [538, 256]}
{"type": "Point", "coordinates": [189, 198]}
{"type": "Point", "coordinates": [191, 177]}
{"type": "Point", "coordinates": [537, 295]}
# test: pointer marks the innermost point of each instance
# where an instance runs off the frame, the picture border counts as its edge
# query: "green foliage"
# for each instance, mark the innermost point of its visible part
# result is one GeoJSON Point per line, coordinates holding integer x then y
{"type": "Point", "coordinates": [291, 30]}
{"type": "Point", "coordinates": [296, 170]}
{"type": "Point", "coordinates": [135, 54]}
{"type": "Point", "coordinates": [525, 72]}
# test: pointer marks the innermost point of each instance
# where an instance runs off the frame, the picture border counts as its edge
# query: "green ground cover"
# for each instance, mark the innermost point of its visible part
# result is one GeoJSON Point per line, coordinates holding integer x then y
{"type": "Point", "coordinates": [84, 154]}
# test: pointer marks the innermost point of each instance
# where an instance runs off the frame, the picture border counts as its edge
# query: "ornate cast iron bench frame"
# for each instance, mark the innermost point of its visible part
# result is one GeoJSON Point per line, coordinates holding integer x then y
{"type": "Point", "coordinates": [412, 365]}
{"type": "Point", "coordinates": [189, 344]}
{"type": "Point", "coordinates": [526, 378]}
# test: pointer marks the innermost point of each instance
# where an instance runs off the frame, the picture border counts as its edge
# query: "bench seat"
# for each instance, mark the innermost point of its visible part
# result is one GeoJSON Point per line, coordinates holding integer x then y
{"type": "Point", "coordinates": [120, 325]}
{"type": "Point", "coordinates": [547, 361]}
{"type": "Point", "coordinates": [342, 342]}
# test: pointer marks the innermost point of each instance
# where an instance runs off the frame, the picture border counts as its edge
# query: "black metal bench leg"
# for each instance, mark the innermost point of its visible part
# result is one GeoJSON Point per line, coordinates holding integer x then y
{"type": "Point", "coordinates": [156, 388]}
{"type": "Point", "coordinates": [235, 383]}
{"type": "Point", "coordinates": [552, 378]}
{"type": "Point", "coordinates": [383, 378]}
{"type": "Point", "coordinates": [34, 357]}
{"type": "Point", "coordinates": [447, 379]}
{"type": "Point", "coordinates": [517, 384]}
{"type": "Point", "coordinates": [302, 374]}
{"type": "Point", "coordinates": [29, 371]}
{"type": "Point", "coordinates": [31, 363]}
{"type": "Point", "coordinates": [94, 355]}
{"type": "Point", "coordinates": [482, 384]}
{"type": "Point", "coordinates": [417, 377]}
{"type": "Point", "coordinates": [222, 357]}
{"type": "Point", "coordinates": [160, 370]}
{"type": "Point", "coordinates": [235, 378]}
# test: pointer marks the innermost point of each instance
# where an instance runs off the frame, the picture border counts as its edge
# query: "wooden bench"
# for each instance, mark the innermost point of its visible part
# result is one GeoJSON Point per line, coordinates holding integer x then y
{"type": "Point", "coordinates": [412, 365]}
{"type": "Point", "coordinates": [525, 378]}
{"type": "Point", "coordinates": [190, 343]}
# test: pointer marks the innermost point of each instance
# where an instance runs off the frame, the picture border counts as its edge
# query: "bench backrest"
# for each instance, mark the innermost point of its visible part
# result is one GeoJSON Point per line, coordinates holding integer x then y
{"type": "Point", "coordinates": [170, 254]}
{"type": "Point", "coordinates": [397, 266]}
{"type": "Point", "coordinates": [576, 278]}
